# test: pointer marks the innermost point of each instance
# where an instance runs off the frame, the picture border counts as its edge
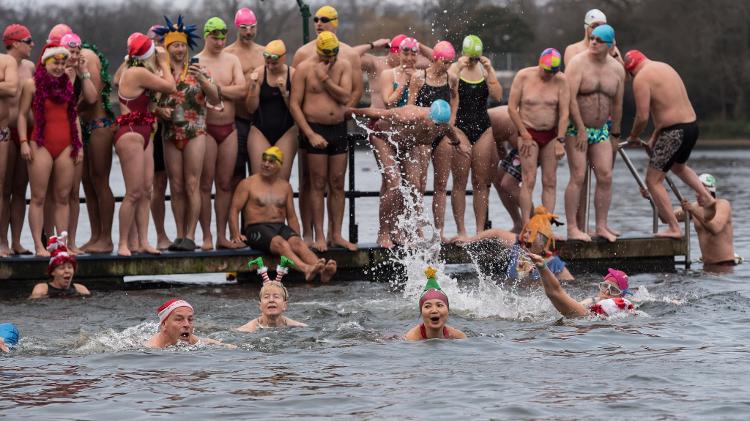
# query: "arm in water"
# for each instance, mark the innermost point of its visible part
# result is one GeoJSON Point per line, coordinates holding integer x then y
{"type": "Point", "coordinates": [563, 302]}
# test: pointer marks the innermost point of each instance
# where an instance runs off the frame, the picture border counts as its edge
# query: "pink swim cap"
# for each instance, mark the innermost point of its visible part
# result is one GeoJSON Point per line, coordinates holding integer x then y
{"type": "Point", "coordinates": [396, 42]}
{"type": "Point", "coordinates": [443, 50]}
{"type": "Point", "coordinates": [409, 44]}
{"type": "Point", "coordinates": [70, 41]}
{"type": "Point", "coordinates": [245, 16]}
{"type": "Point", "coordinates": [57, 33]}
{"type": "Point", "coordinates": [620, 278]}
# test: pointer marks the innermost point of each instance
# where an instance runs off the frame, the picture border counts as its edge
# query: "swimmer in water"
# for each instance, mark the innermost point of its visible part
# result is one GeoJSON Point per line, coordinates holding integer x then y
{"type": "Point", "coordinates": [8, 336]}
{"type": "Point", "coordinates": [273, 303]}
{"type": "Point", "coordinates": [609, 300]}
{"type": "Point", "coordinates": [535, 237]}
{"type": "Point", "coordinates": [176, 326]}
{"type": "Point", "coordinates": [433, 305]}
{"type": "Point", "coordinates": [62, 267]}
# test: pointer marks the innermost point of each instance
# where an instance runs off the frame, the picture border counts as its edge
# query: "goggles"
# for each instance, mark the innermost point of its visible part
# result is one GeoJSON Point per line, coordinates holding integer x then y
{"type": "Point", "coordinates": [595, 24]}
{"type": "Point", "coordinates": [72, 44]}
{"type": "Point", "coordinates": [409, 49]}
{"type": "Point", "coordinates": [597, 39]}
{"type": "Point", "coordinates": [611, 289]}
{"type": "Point", "coordinates": [220, 34]}
{"type": "Point", "coordinates": [328, 51]}
{"type": "Point", "coordinates": [27, 41]}
{"type": "Point", "coordinates": [270, 158]}
{"type": "Point", "coordinates": [272, 56]}
{"type": "Point", "coordinates": [324, 19]}
{"type": "Point", "coordinates": [247, 27]}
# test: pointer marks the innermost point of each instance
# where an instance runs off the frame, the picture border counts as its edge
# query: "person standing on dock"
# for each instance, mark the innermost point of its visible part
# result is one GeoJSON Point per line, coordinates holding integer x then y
{"type": "Point", "coordinates": [539, 107]}
{"type": "Point", "coordinates": [326, 19]}
{"type": "Point", "coordinates": [267, 204]}
{"type": "Point", "coordinates": [597, 85]}
{"type": "Point", "coordinates": [715, 235]}
{"type": "Point", "coordinates": [14, 175]}
{"type": "Point", "coordinates": [660, 94]}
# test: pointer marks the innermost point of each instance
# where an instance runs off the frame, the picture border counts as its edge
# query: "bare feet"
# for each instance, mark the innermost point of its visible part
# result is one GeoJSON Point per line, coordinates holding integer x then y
{"type": "Point", "coordinates": [385, 241]}
{"type": "Point", "coordinates": [605, 234]}
{"type": "Point", "coordinates": [613, 231]}
{"type": "Point", "coordinates": [339, 241]}
{"type": "Point", "coordinates": [578, 235]}
{"type": "Point", "coordinates": [314, 270]}
{"type": "Point", "coordinates": [320, 245]}
{"type": "Point", "coordinates": [4, 250]}
{"type": "Point", "coordinates": [308, 240]}
{"type": "Point", "coordinates": [459, 239]}
{"type": "Point", "coordinates": [328, 271]}
{"type": "Point", "coordinates": [20, 250]}
{"type": "Point", "coordinates": [208, 244]}
{"type": "Point", "coordinates": [223, 243]}
{"type": "Point", "coordinates": [148, 248]}
{"type": "Point", "coordinates": [101, 246]}
{"type": "Point", "coordinates": [88, 244]}
{"type": "Point", "coordinates": [163, 243]}
{"type": "Point", "coordinates": [75, 251]}
{"type": "Point", "coordinates": [669, 234]}
{"type": "Point", "coordinates": [123, 251]}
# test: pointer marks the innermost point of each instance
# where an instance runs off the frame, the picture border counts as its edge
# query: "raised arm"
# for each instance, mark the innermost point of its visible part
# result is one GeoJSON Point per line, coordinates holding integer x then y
{"type": "Point", "coordinates": [253, 94]}
{"type": "Point", "coordinates": [496, 89]}
{"type": "Point", "coordinates": [563, 302]}
{"type": "Point", "coordinates": [342, 91]}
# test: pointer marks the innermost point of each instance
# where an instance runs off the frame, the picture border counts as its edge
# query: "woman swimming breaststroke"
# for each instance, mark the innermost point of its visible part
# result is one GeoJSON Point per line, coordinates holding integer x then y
{"type": "Point", "coordinates": [433, 306]}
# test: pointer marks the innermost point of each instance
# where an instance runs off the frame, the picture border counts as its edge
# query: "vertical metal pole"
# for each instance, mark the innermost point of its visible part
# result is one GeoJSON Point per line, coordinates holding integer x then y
{"type": "Point", "coordinates": [353, 229]}
{"type": "Point", "coordinates": [304, 10]}
{"type": "Point", "coordinates": [587, 207]}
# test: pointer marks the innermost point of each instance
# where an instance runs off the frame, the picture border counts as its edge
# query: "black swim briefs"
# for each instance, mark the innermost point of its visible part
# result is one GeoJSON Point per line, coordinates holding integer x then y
{"type": "Point", "coordinates": [674, 145]}
{"type": "Point", "coordinates": [259, 236]}
{"type": "Point", "coordinates": [335, 134]}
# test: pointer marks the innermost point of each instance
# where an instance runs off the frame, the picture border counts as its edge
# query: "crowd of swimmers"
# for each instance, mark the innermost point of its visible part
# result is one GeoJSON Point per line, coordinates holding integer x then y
{"type": "Point", "coordinates": [207, 121]}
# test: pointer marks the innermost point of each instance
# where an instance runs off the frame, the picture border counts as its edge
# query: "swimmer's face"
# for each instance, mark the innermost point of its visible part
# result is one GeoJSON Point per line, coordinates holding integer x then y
{"type": "Point", "coordinates": [75, 55]}
{"type": "Point", "coordinates": [321, 26]}
{"type": "Point", "coordinates": [56, 66]}
{"type": "Point", "coordinates": [272, 301]}
{"type": "Point", "coordinates": [275, 63]}
{"type": "Point", "coordinates": [179, 325]}
{"type": "Point", "coordinates": [177, 52]}
{"type": "Point", "coordinates": [327, 59]}
{"type": "Point", "coordinates": [610, 289]}
{"type": "Point", "coordinates": [247, 32]}
{"type": "Point", "coordinates": [269, 165]}
{"type": "Point", "coordinates": [597, 45]}
{"type": "Point", "coordinates": [434, 313]}
{"type": "Point", "coordinates": [408, 58]}
{"type": "Point", "coordinates": [63, 274]}
{"type": "Point", "coordinates": [215, 41]}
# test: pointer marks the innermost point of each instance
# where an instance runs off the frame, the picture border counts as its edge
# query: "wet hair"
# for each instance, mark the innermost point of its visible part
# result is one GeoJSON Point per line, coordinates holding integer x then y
{"type": "Point", "coordinates": [273, 284]}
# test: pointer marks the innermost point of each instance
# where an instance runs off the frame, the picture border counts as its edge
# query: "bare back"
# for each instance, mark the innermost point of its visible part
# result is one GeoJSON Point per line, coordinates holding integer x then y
{"type": "Point", "coordinates": [669, 102]}
{"type": "Point", "coordinates": [503, 129]}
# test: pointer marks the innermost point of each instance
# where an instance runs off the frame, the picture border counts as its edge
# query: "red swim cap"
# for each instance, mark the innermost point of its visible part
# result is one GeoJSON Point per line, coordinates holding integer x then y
{"type": "Point", "coordinates": [15, 32]}
{"type": "Point", "coordinates": [632, 59]}
{"type": "Point", "coordinates": [396, 43]}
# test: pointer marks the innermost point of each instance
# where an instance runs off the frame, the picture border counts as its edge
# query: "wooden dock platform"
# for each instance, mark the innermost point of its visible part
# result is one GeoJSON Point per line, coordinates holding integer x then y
{"type": "Point", "coordinates": [632, 254]}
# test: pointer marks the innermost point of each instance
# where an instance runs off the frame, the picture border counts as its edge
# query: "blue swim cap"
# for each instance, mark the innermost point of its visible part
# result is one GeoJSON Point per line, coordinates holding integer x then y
{"type": "Point", "coordinates": [606, 33]}
{"type": "Point", "coordinates": [9, 333]}
{"type": "Point", "coordinates": [440, 112]}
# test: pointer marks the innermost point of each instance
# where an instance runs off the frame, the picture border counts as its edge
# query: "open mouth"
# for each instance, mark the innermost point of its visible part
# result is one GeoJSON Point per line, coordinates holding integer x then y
{"type": "Point", "coordinates": [185, 336]}
{"type": "Point", "coordinates": [435, 319]}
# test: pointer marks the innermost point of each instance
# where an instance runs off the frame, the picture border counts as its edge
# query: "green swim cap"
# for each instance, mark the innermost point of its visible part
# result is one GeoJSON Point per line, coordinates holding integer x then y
{"type": "Point", "coordinates": [214, 24]}
{"type": "Point", "coordinates": [472, 46]}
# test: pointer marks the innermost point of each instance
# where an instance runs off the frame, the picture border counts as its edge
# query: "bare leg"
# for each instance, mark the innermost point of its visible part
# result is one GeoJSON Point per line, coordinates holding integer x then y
{"type": "Point", "coordinates": [303, 258]}
{"type": "Point", "coordinates": [318, 168]}
{"type": "Point", "coordinates": [578, 166]}
{"type": "Point", "coordinates": [99, 161]}
{"type": "Point", "coordinates": [441, 162]}
{"type": "Point", "coordinates": [256, 144]}
{"type": "Point", "coordinates": [40, 170]}
{"type": "Point", "coordinates": [549, 176]}
{"type": "Point", "coordinates": [460, 170]}
{"type": "Point", "coordinates": [288, 144]}
{"type": "Point", "coordinates": [689, 177]}
{"type": "Point", "coordinates": [129, 148]}
{"type": "Point", "coordinates": [225, 160]}
{"type": "Point", "coordinates": [5, 190]}
{"type": "Point", "coordinates": [175, 170]}
{"type": "Point", "coordinates": [207, 184]}
{"type": "Point", "coordinates": [142, 212]}
{"type": "Point", "coordinates": [74, 206]}
{"type": "Point", "coordinates": [192, 166]}
{"type": "Point", "coordinates": [20, 181]}
{"type": "Point", "coordinates": [528, 180]}
{"type": "Point", "coordinates": [601, 161]}
{"type": "Point", "coordinates": [158, 208]}
{"type": "Point", "coordinates": [92, 203]}
{"type": "Point", "coordinates": [655, 184]}
{"type": "Point", "coordinates": [305, 190]}
{"type": "Point", "coordinates": [509, 190]}
{"type": "Point", "coordinates": [65, 174]}
{"type": "Point", "coordinates": [336, 180]}
{"type": "Point", "coordinates": [483, 165]}
{"type": "Point", "coordinates": [389, 190]}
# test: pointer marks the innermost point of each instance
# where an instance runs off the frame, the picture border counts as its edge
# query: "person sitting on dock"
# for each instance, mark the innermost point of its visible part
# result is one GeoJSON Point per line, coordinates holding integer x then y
{"type": "Point", "coordinates": [62, 267]}
{"type": "Point", "coordinates": [176, 326]}
{"type": "Point", "coordinates": [535, 237]}
{"type": "Point", "coordinates": [609, 301]}
{"type": "Point", "coordinates": [274, 299]}
{"type": "Point", "coordinates": [267, 204]}
{"type": "Point", "coordinates": [8, 336]}
{"type": "Point", "coordinates": [715, 236]}
{"type": "Point", "coordinates": [433, 306]}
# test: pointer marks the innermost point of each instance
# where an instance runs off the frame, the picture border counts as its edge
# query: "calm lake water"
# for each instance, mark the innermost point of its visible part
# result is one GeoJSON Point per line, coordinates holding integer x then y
{"type": "Point", "coordinates": [684, 356]}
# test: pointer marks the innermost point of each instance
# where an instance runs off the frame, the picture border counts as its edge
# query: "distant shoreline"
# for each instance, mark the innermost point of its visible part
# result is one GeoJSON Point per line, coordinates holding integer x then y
{"type": "Point", "coordinates": [723, 143]}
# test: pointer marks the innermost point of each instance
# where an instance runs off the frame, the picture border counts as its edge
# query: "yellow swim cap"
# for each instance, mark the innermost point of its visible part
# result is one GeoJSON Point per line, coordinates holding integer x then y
{"type": "Point", "coordinates": [330, 13]}
{"type": "Point", "coordinates": [275, 153]}
{"type": "Point", "coordinates": [275, 48]}
{"type": "Point", "coordinates": [327, 44]}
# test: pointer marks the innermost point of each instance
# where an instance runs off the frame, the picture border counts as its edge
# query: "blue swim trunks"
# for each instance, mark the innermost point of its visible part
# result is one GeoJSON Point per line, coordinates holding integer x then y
{"type": "Point", "coordinates": [594, 135]}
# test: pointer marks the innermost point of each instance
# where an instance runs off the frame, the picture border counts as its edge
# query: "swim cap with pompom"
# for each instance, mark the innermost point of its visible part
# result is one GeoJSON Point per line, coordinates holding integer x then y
{"type": "Point", "coordinates": [432, 290]}
{"type": "Point", "coordinates": [57, 32]}
{"type": "Point", "coordinates": [472, 46]}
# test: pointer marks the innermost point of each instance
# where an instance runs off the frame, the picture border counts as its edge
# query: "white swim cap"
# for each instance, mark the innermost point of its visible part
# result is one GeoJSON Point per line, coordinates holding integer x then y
{"type": "Point", "coordinates": [594, 15]}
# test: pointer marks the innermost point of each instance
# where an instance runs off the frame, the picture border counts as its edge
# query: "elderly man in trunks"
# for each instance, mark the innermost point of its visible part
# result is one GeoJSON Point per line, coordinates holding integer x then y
{"type": "Point", "coordinates": [250, 55]}
{"type": "Point", "coordinates": [538, 105]}
{"type": "Point", "coordinates": [409, 126]}
{"type": "Point", "coordinates": [9, 88]}
{"type": "Point", "coordinates": [221, 145]}
{"type": "Point", "coordinates": [596, 83]}
{"type": "Point", "coordinates": [267, 204]}
{"type": "Point", "coordinates": [321, 90]}
{"type": "Point", "coordinates": [715, 236]}
{"type": "Point", "coordinates": [326, 19]}
{"type": "Point", "coordinates": [15, 179]}
{"type": "Point", "coordinates": [660, 93]}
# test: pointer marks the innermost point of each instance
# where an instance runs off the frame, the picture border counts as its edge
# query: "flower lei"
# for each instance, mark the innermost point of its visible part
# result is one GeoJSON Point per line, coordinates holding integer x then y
{"type": "Point", "coordinates": [105, 78]}
{"type": "Point", "coordinates": [60, 91]}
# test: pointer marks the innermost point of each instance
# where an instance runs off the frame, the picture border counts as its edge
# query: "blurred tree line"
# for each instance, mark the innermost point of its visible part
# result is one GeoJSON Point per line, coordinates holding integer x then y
{"type": "Point", "coordinates": [707, 41]}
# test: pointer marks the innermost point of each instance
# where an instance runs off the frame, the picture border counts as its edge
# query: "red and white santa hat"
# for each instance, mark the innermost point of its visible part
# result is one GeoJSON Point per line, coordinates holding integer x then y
{"type": "Point", "coordinates": [169, 306]}
{"type": "Point", "coordinates": [140, 46]}
{"type": "Point", "coordinates": [59, 252]}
